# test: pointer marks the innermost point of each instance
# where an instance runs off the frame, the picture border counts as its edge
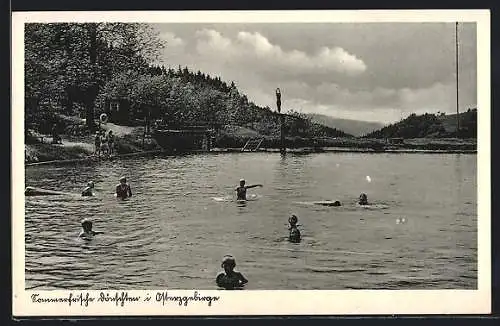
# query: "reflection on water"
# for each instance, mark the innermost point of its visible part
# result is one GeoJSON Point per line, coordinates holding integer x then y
{"type": "Point", "coordinates": [173, 232]}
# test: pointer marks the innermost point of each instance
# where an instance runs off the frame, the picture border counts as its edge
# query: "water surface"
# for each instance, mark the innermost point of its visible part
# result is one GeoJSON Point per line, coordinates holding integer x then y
{"type": "Point", "coordinates": [172, 233]}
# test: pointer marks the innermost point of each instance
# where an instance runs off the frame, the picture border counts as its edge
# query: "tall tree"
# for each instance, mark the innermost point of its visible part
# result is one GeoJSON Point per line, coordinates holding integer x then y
{"type": "Point", "coordinates": [74, 61]}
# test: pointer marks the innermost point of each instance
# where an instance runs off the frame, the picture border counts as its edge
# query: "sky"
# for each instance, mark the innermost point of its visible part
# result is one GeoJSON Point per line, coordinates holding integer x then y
{"type": "Point", "coordinates": [378, 72]}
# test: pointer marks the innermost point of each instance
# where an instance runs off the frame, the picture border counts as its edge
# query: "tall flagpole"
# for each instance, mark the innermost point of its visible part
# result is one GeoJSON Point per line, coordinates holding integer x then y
{"type": "Point", "coordinates": [456, 73]}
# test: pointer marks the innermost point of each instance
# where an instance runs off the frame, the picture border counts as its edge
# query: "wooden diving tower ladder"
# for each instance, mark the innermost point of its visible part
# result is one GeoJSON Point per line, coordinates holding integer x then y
{"type": "Point", "coordinates": [252, 144]}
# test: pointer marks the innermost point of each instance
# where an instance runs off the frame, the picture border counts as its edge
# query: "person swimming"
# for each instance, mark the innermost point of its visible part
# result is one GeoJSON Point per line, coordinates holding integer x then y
{"type": "Point", "coordinates": [363, 199]}
{"type": "Point", "coordinates": [88, 191]}
{"type": "Point", "coordinates": [87, 231]}
{"type": "Point", "coordinates": [123, 189]}
{"type": "Point", "coordinates": [328, 203]}
{"type": "Point", "coordinates": [230, 279]}
{"type": "Point", "coordinates": [294, 235]}
{"type": "Point", "coordinates": [241, 190]}
{"type": "Point", "coordinates": [32, 191]}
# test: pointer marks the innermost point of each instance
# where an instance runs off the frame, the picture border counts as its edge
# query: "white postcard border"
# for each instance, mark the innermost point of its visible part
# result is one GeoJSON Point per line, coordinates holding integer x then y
{"type": "Point", "coordinates": [256, 302]}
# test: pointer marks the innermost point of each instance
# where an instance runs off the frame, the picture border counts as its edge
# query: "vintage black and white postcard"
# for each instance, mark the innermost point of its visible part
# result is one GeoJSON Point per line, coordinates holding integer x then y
{"type": "Point", "coordinates": [251, 163]}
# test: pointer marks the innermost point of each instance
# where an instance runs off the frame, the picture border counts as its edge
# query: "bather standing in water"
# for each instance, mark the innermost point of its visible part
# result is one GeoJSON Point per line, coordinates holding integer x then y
{"type": "Point", "coordinates": [87, 231]}
{"type": "Point", "coordinates": [230, 279]}
{"type": "Point", "coordinates": [294, 235]}
{"type": "Point", "coordinates": [241, 191]}
{"type": "Point", "coordinates": [123, 189]}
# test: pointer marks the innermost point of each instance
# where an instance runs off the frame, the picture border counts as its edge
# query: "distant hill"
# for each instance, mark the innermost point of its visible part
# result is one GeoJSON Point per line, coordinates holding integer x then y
{"type": "Point", "coordinates": [430, 126]}
{"type": "Point", "coordinates": [468, 120]}
{"type": "Point", "coordinates": [353, 127]}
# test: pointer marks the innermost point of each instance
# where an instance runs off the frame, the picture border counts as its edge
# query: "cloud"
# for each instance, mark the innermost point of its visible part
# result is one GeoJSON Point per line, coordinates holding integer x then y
{"type": "Point", "coordinates": [254, 49]}
{"type": "Point", "coordinates": [360, 71]}
{"type": "Point", "coordinates": [172, 40]}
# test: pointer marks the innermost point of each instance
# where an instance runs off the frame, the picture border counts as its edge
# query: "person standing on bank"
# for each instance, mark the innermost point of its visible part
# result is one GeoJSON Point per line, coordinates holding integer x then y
{"type": "Point", "coordinates": [97, 143]}
{"type": "Point", "coordinates": [104, 144]}
{"type": "Point", "coordinates": [111, 142]}
{"type": "Point", "coordinates": [123, 189]}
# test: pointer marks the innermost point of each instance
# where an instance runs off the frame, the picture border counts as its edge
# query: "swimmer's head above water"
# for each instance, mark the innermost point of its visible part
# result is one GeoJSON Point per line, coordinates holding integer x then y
{"type": "Point", "coordinates": [293, 220]}
{"type": "Point", "coordinates": [90, 184]}
{"type": "Point", "coordinates": [228, 263]}
{"type": "Point", "coordinates": [87, 225]}
{"type": "Point", "coordinates": [123, 180]}
{"type": "Point", "coordinates": [230, 279]}
{"type": "Point", "coordinates": [363, 199]}
{"type": "Point", "coordinates": [242, 182]}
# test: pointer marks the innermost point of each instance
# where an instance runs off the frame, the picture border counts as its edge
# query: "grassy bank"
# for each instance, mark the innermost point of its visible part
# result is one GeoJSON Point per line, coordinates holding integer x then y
{"type": "Point", "coordinates": [128, 140]}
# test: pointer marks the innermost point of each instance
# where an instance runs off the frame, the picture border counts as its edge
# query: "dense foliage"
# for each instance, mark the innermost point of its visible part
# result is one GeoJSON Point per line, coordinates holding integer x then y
{"type": "Point", "coordinates": [184, 97]}
{"type": "Point", "coordinates": [74, 68]}
{"type": "Point", "coordinates": [430, 126]}
{"type": "Point", "coordinates": [67, 64]}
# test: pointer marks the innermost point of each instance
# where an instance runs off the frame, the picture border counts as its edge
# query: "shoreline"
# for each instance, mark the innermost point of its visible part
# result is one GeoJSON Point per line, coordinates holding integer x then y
{"type": "Point", "coordinates": [130, 142]}
{"type": "Point", "coordinates": [294, 151]}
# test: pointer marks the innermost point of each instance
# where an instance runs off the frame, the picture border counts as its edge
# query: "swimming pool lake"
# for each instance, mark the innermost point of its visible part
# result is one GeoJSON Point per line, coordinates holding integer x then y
{"type": "Point", "coordinates": [421, 232]}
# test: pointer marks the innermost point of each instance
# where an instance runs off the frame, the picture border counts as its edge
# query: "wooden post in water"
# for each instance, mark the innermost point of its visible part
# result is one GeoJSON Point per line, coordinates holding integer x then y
{"type": "Point", "coordinates": [456, 73]}
{"type": "Point", "coordinates": [282, 121]}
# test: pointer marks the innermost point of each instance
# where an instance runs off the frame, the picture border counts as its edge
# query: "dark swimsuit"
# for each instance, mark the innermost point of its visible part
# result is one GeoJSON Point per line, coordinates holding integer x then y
{"type": "Point", "coordinates": [230, 282]}
{"type": "Point", "coordinates": [123, 192]}
{"type": "Point", "coordinates": [294, 234]}
{"type": "Point", "coordinates": [241, 193]}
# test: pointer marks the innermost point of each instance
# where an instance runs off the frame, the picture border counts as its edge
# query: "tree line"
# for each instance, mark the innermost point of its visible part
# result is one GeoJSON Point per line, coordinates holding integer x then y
{"type": "Point", "coordinates": [431, 126]}
{"type": "Point", "coordinates": [73, 68]}
{"type": "Point", "coordinates": [68, 64]}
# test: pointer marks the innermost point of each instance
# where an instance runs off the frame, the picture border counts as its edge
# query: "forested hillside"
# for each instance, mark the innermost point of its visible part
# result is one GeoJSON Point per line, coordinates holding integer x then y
{"type": "Point", "coordinates": [71, 69]}
{"type": "Point", "coordinates": [430, 126]}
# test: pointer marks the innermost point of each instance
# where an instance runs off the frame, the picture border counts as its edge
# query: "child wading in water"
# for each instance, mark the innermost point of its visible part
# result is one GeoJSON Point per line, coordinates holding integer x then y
{"type": "Point", "coordinates": [87, 231]}
{"type": "Point", "coordinates": [230, 279]}
{"type": "Point", "coordinates": [241, 191]}
{"type": "Point", "coordinates": [294, 235]}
